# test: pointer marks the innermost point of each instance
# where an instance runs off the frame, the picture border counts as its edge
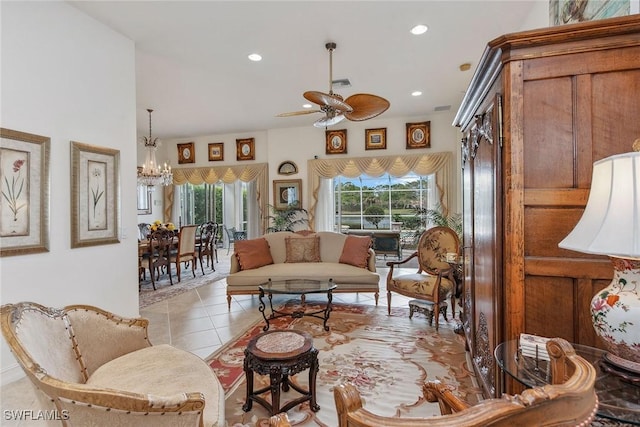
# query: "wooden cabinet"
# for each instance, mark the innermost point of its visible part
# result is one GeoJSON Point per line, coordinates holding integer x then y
{"type": "Point", "coordinates": [542, 106]}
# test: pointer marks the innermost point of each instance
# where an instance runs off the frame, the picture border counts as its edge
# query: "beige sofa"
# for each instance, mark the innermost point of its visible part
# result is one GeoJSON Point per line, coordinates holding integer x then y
{"type": "Point", "coordinates": [92, 368]}
{"type": "Point", "coordinates": [349, 278]}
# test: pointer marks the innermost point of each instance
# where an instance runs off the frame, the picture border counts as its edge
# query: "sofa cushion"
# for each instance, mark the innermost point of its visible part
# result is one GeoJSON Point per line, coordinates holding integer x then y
{"type": "Point", "coordinates": [164, 371]}
{"type": "Point", "coordinates": [303, 249]}
{"type": "Point", "coordinates": [340, 273]}
{"type": "Point", "coordinates": [252, 253]}
{"type": "Point", "coordinates": [356, 251]}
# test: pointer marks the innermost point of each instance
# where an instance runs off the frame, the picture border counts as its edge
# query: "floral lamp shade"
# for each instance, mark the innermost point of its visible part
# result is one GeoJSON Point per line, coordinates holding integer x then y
{"type": "Point", "coordinates": [610, 225]}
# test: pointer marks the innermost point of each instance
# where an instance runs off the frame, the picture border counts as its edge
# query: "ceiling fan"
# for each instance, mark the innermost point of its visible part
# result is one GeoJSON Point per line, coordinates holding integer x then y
{"type": "Point", "coordinates": [357, 107]}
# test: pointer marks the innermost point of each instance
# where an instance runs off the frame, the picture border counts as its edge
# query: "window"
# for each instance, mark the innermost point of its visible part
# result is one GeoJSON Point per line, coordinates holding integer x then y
{"type": "Point", "coordinates": [214, 202]}
{"type": "Point", "coordinates": [379, 203]}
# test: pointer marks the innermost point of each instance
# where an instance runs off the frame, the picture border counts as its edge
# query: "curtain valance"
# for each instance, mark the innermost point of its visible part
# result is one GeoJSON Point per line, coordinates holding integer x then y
{"type": "Point", "coordinates": [397, 166]}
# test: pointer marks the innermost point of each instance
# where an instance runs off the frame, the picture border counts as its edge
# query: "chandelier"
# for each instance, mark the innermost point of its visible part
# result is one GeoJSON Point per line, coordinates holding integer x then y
{"type": "Point", "coordinates": [150, 173]}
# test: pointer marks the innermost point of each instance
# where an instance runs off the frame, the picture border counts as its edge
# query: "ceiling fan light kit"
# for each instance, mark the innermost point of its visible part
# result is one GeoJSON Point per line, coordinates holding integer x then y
{"type": "Point", "coordinates": [357, 107]}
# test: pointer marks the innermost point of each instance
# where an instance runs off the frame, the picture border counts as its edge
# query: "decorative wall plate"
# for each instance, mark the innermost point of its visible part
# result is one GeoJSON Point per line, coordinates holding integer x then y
{"type": "Point", "coordinates": [287, 168]}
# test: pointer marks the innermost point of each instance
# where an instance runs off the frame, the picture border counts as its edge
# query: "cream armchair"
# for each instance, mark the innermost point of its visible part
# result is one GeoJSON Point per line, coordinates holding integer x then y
{"type": "Point", "coordinates": [94, 368]}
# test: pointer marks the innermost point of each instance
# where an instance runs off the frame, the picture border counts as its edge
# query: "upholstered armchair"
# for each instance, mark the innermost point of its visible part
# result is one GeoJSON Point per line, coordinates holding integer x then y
{"type": "Point", "coordinates": [570, 400]}
{"type": "Point", "coordinates": [97, 369]}
{"type": "Point", "coordinates": [434, 281]}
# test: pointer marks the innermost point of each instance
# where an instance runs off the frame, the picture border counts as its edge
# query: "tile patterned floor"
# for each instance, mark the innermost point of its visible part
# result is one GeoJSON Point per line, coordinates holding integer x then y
{"type": "Point", "coordinates": [197, 321]}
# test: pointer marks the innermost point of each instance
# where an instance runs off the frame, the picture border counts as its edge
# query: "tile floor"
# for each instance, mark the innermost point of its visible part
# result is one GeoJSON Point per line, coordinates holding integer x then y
{"type": "Point", "coordinates": [197, 321]}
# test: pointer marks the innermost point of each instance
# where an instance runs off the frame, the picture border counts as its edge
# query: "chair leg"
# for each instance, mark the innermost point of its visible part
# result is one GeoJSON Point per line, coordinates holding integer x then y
{"type": "Point", "coordinates": [389, 303]}
{"type": "Point", "coordinates": [201, 267]}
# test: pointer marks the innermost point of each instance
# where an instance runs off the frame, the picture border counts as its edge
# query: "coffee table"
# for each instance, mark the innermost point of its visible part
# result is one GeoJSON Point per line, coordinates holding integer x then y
{"type": "Point", "coordinates": [300, 287]}
{"type": "Point", "coordinates": [618, 399]}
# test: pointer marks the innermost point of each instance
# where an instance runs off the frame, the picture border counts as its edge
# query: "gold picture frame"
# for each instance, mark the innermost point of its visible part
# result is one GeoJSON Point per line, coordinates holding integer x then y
{"type": "Point", "coordinates": [216, 151]}
{"type": "Point", "coordinates": [419, 135]}
{"type": "Point", "coordinates": [375, 139]}
{"type": "Point", "coordinates": [186, 153]}
{"type": "Point", "coordinates": [95, 195]}
{"type": "Point", "coordinates": [336, 141]}
{"type": "Point", "coordinates": [24, 210]}
{"type": "Point", "coordinates": [287, 193]}
{"type": "Point", "coordinates": [245, 149]}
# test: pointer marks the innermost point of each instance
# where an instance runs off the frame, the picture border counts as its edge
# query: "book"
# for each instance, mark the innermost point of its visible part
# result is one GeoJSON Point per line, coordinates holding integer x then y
{"type": "Point", "coordinates": [534, 346]}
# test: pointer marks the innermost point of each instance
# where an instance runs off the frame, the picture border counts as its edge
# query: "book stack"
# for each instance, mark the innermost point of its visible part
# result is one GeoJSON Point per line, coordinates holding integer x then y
{"type": "Point", "coordinates": [534, 346]}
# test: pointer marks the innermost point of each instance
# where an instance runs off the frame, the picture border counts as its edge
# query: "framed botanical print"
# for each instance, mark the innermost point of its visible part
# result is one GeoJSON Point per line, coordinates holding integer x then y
{"type": "Point", "coordinates": [24, 209]}
{"type": "Point", "coordinates": [216, 151]}
{"type": "Point", "coordinates": [419, 135]}
{"type": "Point", "coordinates": [375, 139]}
{"type": "Point", "coordinates": [287, 194]}
{"type": "Point", "coordinates": [95, 195]}
{"type": "Point", "coordinates": [186, 153]}
{"type": "Point", "coordinates": [336, 141]}
{"type": "Point", "coordinates": [245, 149]}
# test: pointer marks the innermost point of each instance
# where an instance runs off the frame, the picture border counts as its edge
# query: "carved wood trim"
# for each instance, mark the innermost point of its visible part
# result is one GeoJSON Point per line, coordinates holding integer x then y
{"type": "Point", "coordinates": [483, 358]}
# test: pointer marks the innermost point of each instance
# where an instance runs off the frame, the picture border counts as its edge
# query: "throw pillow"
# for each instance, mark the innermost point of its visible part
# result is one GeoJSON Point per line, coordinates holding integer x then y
{"type": "Point", "coordinates": [252, 253]}
{"type": "Point", "coordinates": [356, 251]}
{"type": "Point", "coordinates": [302, 249]}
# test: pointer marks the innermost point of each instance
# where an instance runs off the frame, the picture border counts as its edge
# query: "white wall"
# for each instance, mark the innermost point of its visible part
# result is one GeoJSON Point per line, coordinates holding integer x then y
{"type": "Point", "coordinates": [303, 143]}
{"type": "Point", "coordinates": [68, 77]}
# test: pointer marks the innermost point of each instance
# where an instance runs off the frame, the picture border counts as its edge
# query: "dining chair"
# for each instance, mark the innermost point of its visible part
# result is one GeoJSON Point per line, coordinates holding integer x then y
{"type": "Point", "coordinates": [434, 281]}
{"type": "Point", "coordinates": [230, 232]}
{"type": "Point", "coordinates": [205, 246]}
{"type": "Point", "coordinates": [186, 251]}
{"type": "Point", "coordinates": [158, 254]}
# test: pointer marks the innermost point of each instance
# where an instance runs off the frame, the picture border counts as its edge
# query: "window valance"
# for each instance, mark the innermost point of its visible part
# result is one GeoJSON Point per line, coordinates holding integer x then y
{"type": "Point", "coordinates": [439, 164]}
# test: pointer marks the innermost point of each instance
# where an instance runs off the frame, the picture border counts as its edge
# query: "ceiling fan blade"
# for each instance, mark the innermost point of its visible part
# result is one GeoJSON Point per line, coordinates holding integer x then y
{"type": "Point", "coordinates": [365, 106]}
{"type": "Point", "coordinates": [330, 100]}
{"type": "Point", "coordinates": [328, 121]}
{"type": "Point", "coordinates": [298, 113]}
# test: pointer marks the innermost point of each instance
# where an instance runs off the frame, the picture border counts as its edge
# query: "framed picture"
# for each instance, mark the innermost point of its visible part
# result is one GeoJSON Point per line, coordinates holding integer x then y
{"type": "Point", "coordinates": [144, 200]}
{"type": "Point", "coordinates": [375, 139]}
{"type": "Point", "coordinates": [419, 135]}
{"type": "Point", "coordinates": [95, 195]}
{"type": "Point", "coordinates": [216, 151]}
{"type": "Point", "coordinates": [336, 141]}
{"type": "Point", "coordinates": [24, 209]}
{"type": "Point", "coordinates": [245, 149]}
{"type": "Point", "coordinates": [186, 153]}
{"type": "Point", "coordinates": [287, 168]}
{"type": "Point", "coordinates": [287, 194]}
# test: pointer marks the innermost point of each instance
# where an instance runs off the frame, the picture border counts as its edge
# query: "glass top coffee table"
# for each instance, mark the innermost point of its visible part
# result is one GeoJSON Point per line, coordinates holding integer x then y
{"type": "Point", "coordinates": [300, 287]}
{"type": "Point", "coordinates": [619, 399]}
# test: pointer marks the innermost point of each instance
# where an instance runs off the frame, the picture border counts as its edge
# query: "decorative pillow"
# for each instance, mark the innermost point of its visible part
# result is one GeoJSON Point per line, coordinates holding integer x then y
{"type": "Point", "coordinates": [356, 251]}
{"type": "Point", "coordinates": [302, 249]}
{"type": "Point", "coordinates": [252, 253]}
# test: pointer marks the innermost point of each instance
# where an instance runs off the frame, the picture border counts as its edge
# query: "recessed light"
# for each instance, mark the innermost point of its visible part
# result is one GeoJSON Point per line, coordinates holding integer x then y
{"type": "Point", "coordinates": [255, 57]}
{"type": "Point", "coordinates": [307, 105]}
{"type": "Point", "coordinates": [419, 29]}
{"type": "Point", "coordinates": [416, 93]}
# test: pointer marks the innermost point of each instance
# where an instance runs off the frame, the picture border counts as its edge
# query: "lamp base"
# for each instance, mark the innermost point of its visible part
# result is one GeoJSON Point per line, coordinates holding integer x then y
{"type": "Point", "coordinates": [629, 371]}
{"type": "Point", "coordinates": [615, 312]}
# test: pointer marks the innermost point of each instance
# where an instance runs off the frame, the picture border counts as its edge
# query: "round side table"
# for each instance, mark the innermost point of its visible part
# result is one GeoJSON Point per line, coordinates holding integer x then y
{"type": "Point", "coordinates": [280, 354]}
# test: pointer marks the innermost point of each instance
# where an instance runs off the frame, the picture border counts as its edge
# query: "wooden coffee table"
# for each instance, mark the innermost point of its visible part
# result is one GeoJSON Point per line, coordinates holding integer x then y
{"type": "Point", "coordinates": [300, 287]}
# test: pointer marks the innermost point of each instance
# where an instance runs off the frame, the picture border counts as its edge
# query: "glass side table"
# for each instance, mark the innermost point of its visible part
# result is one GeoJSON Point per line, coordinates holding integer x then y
{"type": "Point", "coordinates": [619, 400]}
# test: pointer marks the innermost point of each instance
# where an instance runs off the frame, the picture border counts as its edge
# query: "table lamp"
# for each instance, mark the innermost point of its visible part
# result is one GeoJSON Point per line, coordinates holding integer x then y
{"type": "Point", "coordinates": [610, 225]}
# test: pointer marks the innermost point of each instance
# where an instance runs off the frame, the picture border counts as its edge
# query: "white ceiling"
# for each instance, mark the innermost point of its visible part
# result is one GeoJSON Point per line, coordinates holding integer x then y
{"type": "Point", "coordinates": [192, 66]}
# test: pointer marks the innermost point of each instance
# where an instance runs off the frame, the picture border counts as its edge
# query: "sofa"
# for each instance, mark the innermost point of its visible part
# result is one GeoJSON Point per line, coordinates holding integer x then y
{"type": "Point", "coordinates": [286, 255]}
{"type": "Point", "coordinates": [92, 368]}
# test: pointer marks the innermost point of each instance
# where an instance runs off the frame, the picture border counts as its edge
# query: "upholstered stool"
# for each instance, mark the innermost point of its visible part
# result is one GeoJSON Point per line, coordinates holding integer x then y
{"type": "Point", "coordinates": [280, 354]}
{"type": "Point", "coordinates": [426, 308]}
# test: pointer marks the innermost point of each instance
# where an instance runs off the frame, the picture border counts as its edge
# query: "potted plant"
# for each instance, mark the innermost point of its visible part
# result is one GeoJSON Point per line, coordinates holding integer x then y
{"type": "Point", "coordinates": [289, 219]}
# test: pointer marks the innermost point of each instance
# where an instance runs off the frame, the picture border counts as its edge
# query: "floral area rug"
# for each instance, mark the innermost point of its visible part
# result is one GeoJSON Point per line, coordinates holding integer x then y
{"type": "Point", "coordinates": [164, 289]}
{"type": "Point", "coordinates": [387, 357]}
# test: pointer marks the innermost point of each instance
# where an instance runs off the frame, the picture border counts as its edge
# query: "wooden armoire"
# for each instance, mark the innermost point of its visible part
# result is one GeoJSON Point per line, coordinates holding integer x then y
{"type": "Point", "coordinates": [542, 106]}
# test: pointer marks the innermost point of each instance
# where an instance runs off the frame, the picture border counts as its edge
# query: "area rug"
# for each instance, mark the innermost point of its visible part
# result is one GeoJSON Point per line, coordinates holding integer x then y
{"type": "Point", "coordinates": [387, 357]}
{"type": "Point", "coordinates": [164, 289]}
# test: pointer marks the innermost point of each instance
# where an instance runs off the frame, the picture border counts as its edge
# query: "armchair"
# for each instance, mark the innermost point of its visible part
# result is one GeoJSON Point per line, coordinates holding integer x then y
{"type": "Point", "coordinates": [569, 401]}
{"type": "Point", "coordinates": [434, 281]}
{"type": "Point", "coordinates": [95, 368]}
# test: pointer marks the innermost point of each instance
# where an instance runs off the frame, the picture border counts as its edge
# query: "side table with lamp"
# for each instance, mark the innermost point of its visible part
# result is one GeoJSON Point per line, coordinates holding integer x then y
{"type": "Point", "coordinates": [610, 225]}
